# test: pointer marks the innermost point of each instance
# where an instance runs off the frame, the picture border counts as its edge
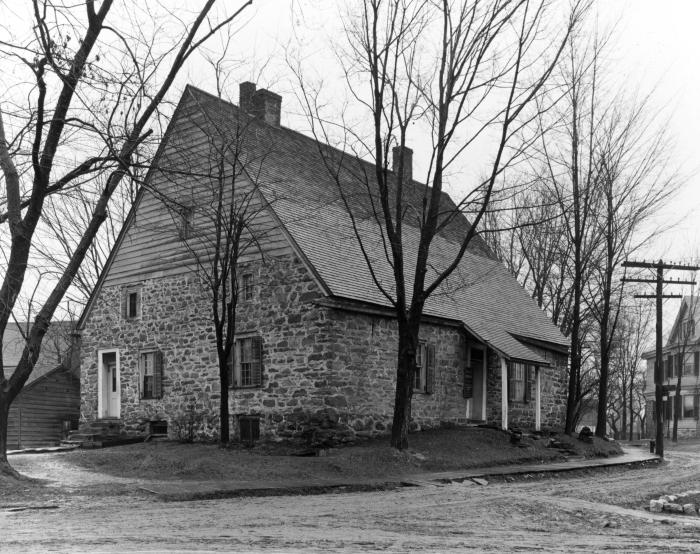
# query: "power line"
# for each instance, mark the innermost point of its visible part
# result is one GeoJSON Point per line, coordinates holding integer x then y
{"type": "Point", "coordinates": [659, 281]}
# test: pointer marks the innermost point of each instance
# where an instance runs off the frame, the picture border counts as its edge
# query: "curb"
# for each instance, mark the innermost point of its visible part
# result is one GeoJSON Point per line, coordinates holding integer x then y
{"type": "Point", "coordinates": [476, 477]}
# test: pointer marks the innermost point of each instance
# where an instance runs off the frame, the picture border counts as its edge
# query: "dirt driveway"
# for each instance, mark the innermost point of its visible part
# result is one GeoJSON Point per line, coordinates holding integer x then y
{"type": "Point", "coordinates": [588, 512]}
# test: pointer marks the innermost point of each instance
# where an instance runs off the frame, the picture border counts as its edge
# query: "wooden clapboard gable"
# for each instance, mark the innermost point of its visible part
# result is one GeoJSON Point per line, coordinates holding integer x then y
{"type": "Point", "coordinates": [151, 245]}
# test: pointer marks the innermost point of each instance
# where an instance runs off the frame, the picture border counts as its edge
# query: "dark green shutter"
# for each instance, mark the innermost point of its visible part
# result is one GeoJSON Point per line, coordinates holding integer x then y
{"type": "Point", "coordinates": [430, 369]}
{"type": "Point", "coordinates": [158, 374]}
{"type": "Point", "coordinates": [696, 363]}
{"type": "Point", "coordinates": [257, 363]}
{"type": "Point", "coordinates": [696, 406]}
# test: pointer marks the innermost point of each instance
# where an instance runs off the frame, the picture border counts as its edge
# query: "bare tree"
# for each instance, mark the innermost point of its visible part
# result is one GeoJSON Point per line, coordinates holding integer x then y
{"type": "Point", "coordinates": [95, 86]}
{"type": "Point", "coordinates": [633, 182]}
{"type": "Point", "coordinates": [493, 59]}
{"type": "Point", "coordinates": [213, 196]}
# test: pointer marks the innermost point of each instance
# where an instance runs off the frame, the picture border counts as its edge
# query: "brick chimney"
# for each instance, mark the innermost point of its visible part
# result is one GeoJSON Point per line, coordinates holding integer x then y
{"type": "Point", "coordinates": [261, 103]}
{"type": "Point", "coordinates": [407, 162]}
{"type": "Point", "coordinates": [246, 91]}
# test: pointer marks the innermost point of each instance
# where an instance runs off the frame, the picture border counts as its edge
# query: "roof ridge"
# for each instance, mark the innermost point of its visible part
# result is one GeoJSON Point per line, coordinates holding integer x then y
{"type": "Point", "coordinates": [368, 163]}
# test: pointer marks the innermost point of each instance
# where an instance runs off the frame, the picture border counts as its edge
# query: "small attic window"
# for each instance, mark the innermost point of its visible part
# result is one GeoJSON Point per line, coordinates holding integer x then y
{"type": "Point", "coordinates": [184, 230]}
{"type": "Point", "coordinates": [131, 303]}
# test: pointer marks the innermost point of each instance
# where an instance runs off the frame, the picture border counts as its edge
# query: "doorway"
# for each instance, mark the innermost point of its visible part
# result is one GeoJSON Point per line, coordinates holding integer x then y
{"type": "Point", "coordinates": [109, 398]}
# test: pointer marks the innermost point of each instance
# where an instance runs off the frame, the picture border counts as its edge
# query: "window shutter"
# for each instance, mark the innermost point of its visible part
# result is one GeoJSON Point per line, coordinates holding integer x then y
{"type": "Point", "coordinates": [528, 370]}
{"type": "Point", "coordinates": [124, 302]}
{"type": "Point", "coordinates": [257, 364]}
{"type": "Point", "coordinates": [696, 363]}
{"type": "Point", "coordinates": [696, 406]}
{"type": "Point", "coordinates": [158, 375]}
{"type": "Point", "coordinates": [430, 369]}
{"type": "Point", "coordinates": [229, 365]}
{"type": "Point", "coordinates": [141, 373]}
{"type": "Point", "coordinates": [669, 366]}
{"type": "Point", "coordinates": [467, 383]}
{"type": "Point", "coordinates": [511, 384]}
{"type": "Point", "coordinates": [235, 368]}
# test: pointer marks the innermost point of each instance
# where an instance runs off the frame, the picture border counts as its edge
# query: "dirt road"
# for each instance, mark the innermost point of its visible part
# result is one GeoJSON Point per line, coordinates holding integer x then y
{"type": "Point", "coordinates": [598, 511]}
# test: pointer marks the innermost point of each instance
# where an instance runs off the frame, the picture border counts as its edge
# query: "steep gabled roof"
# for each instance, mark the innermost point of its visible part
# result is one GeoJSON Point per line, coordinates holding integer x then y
{"type": "Point", "coordinates": [296, 175]}
{"type": "Point", "coordinates": [690, 307]}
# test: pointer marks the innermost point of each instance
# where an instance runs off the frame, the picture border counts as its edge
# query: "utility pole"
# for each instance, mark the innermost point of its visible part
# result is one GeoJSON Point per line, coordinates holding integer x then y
{"type": "Point", "coordinates": [659, 280]}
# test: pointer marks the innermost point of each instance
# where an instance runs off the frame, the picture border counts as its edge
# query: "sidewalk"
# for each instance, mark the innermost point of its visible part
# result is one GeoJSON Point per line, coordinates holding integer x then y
{"type": "Point", "coordinates": [203, 490]}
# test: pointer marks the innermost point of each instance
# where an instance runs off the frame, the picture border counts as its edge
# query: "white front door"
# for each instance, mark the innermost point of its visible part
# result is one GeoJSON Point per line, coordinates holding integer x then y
{"type": "Point", "coordinates": [109, 384]}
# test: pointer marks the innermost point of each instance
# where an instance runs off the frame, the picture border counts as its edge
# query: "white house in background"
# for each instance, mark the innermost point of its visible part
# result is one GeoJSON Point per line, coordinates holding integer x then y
{"type": "Point", "coordinates": [681, 355]}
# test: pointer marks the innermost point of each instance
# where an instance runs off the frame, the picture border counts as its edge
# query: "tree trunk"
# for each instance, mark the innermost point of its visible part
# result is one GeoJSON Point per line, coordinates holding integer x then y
{"type": "Point", "coordinates": [623, 426]}
{"type": "Point", "coordinates": [631, 400]}
{"type": "Point", "coordinates": [5, 468]}
{"type": "Point", "coordinates": [602, 419]}
{"type": "Point", "coordinates": [224, 427]}
{"type": "Point", "coordinates": [677, 405]}
{"type": "Point", "coordinates": [405, 372]}
{"type": "Point", "coordinates": [574, 368]}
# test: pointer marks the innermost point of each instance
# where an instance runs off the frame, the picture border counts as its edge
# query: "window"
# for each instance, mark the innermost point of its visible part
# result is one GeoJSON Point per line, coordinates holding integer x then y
{"type": "Point", "coordinates": [425, 368]}
{"type": "Point", "coordinates": [131, 303]}
{"type": "Point", "coordinates": [518, 382]}
{"type": "Point", "coordinates": [689, 365]}
{"type": "Point", "coordinates": [151, 371]}
{"type": "Point", "coordinates": [690, 406]}
{"type": "Point", "coordinates": [245, 365]}
{"type": "Point", "coordinates": [185, 224]}
{"type": "Point", "coordinates": [247, 287]}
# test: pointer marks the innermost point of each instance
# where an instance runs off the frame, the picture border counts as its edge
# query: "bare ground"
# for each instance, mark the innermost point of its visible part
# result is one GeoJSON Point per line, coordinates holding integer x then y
{"type": "Point", "coordinates": [590, 511]}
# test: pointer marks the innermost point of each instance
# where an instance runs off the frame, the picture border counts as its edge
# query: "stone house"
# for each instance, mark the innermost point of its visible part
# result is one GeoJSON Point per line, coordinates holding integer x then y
{"type": "Point", "coordinates": [315, 337]}
{"type": "Point", "coordinates": [681, 356]}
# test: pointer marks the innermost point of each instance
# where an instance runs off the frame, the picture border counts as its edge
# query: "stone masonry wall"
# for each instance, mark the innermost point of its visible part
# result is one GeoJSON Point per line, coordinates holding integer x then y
{"type": "Point", "coordinates": [317, 360]}
{"type": "Point", "coordinates": [321, 366]}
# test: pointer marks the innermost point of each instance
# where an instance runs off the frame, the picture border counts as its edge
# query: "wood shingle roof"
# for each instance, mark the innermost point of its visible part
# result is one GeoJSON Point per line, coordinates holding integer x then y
{"type": "Point", "coordinates": [301, 179]}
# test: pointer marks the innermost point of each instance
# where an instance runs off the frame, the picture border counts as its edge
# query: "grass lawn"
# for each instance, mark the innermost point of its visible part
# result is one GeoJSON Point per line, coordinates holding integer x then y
{"type": "Point", "coordinates": [437, 450]}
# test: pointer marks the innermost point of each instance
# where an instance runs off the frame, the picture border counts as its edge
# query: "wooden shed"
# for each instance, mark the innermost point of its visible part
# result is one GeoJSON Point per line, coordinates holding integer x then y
{"type": "Point", "coordinates": [49, 403]}
{"type": "Point", "coordinates": [45, 410]}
